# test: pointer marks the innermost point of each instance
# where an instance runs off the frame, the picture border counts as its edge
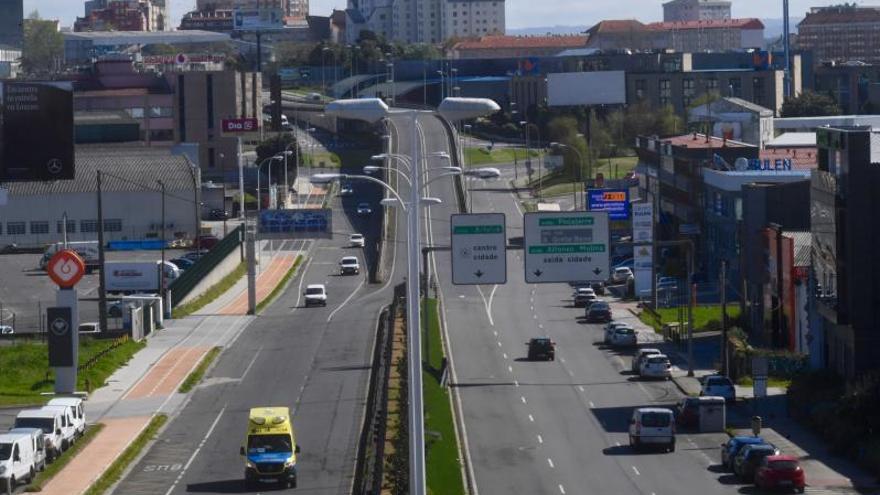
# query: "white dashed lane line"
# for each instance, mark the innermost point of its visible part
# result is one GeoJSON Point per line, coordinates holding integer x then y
{"type": "Point", "coordinates": [540, 439]}
{"type": "Point", "coordinates": [509, 368]}
{"type": "Point", "coordinates": [531, 418]}
{"type": "Point", "coordinates": [581, 388]}
{"type": "Point", "coordinates": [505, 356]}
{"type": "Point", "coordinates": [523, 399]}
{"type": "Point", "coordinates": [562, 489]}
{"type": "Point", "coordinates": [635, 470]}
{"type": "Point", "coordinates": [550, 462]}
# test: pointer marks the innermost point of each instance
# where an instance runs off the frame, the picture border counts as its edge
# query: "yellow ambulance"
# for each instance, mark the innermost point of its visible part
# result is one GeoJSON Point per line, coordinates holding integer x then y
{"type": "Point", "coordinates": [270, 447]}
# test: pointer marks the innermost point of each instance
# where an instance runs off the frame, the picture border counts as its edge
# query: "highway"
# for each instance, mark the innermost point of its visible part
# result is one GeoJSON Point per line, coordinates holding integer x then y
{"type": "Point", "coordinates": [314, 360]}
{"type": "Point", "coordinates": [550, 427]}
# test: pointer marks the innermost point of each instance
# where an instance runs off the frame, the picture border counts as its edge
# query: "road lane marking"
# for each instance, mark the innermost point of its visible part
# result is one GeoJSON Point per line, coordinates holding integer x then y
{"type": "Point", "coordinates": [505, 357]}
{"type": "Point", "coordinates": [523, 399]}
{"type": "Point", "coordinates": [196, 452]}
{"type": "Point", "coordinates": [355, 291]}
{"type": "Point", "coordinates": [251, 364]}
{"type": "Point", "coordinates": [531, 418]}
{"type": "Point", "coordinates": [550, 462]}
{"type": "Point", "coordinates": [562, 359]}
{"type": "Point", "coordinates": [636, 471]}
{"type": "Point", "coordinates": [499, 344]}
{"type": "Point", "coordinates": [581, 388]}
{"type": "Point", "coordinates": [562, 489]}
{"type": "Point", "coordinates": [515, 383]}
{"type": "Point", "coordinates": [540, 440]}
{"type": "Point", "coordinates": [592, 406]}
{"type": "Point", "coordinates": [509, 368]}
{"type": "Point", "coordinates": [617, 444]}
{"type": "Point", "coordinates": [535, 316]}
{"type": "Point", "coordinates": [541, 326]}
{"type": "Point", "coordinates": [495, 332]}
{"type": "Point", "coordinates": [570, 373]}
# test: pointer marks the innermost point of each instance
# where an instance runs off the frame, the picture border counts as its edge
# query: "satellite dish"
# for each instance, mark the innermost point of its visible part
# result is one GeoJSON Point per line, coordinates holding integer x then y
{"type": "Point", "coordinates": [741, 164]}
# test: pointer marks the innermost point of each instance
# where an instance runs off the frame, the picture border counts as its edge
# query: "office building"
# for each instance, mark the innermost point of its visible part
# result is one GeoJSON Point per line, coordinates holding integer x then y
{"type": "Point", "coordinates": [855, 87]}
{"type": "Point", "coordinates": [682, 36]}
{"type": "Point", "coordinates": [425, 21]}
{"type": "Point", "coordinates": [298, 9]}
{"type": "Point", "coordinates": [123, 15]}
{"type": "Point", "coordinates": [11, 23]}
{"type": "Point", "coordinates": [841, 33]}
{"type": "Point", "coordinates": [695, 10]}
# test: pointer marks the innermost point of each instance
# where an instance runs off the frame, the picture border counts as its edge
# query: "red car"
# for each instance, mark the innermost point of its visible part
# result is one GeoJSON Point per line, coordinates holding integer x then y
{"type": "Point", "coordinates": [780, 471]}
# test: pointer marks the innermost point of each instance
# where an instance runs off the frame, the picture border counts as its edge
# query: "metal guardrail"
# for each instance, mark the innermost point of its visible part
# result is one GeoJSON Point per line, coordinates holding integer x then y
{"type": "Point", "coordinates": [181, 287]}
{"type": "Point", "coordinates": [458, 180]}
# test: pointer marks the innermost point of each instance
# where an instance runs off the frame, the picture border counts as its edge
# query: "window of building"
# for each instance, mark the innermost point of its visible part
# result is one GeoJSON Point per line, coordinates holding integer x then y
{"type": "Point", "coordinates": [88, 226]}
{"type": "Point", "coordinates": [758, 92]}
{"type": "Point", "coordinates": [71, 227]}
{"type": "Point", "coordinates": [734, 87]}
{"type": "Point", "coordinates": [665, 92]}
{"type": "Point", "coordinates": [209, 93]}
{"type": "Point", "coordinates": [712, 84]}
{"type": "Point", "coordinates": [454, 14]}
{"type": "Point", "coordinates": [39, 227]}
{"type": "Point", "coordinates": [15, 228]}
{"type": "Point", "coordinates": [112, 225]}
{"type": "Point", "coordinates": [455, 23]}
{"type": "Point", "coordinates": [688, 90]}
{"type": "Point", "coordinates": [640, 88]}
{"type": "Point", "coordinates": [156, 112]}
{"type": "Point", "coordinates": [136, 112]}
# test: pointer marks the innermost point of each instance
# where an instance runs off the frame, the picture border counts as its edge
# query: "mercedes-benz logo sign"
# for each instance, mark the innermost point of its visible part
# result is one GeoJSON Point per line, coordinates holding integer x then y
{"type": "Point", "coordinates": [54, 166]}
{"type": "Point", "coordinates": [59, 327]}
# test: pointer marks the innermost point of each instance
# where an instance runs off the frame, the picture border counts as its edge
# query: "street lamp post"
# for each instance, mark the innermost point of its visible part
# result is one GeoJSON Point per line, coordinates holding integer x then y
{"type": "Point", "coordinates": [162, 290]}
{"type": "Point", "coordinates": [259, 168]}
{"type": "Point", "coordinates": [580, 166]}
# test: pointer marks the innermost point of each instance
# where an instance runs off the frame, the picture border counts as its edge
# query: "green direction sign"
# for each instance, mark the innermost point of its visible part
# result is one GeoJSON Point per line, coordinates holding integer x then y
{"type": "Point", "coordinates": [478, 249]}
{"type": "Point", "coordinates": [569, 246]}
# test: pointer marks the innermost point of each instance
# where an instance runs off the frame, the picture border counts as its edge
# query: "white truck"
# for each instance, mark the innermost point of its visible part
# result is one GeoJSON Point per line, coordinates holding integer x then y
{"type": "Point", "coordinates": [129, 277]}
{"type": "Point", "coordinates": [16, 460]}
{"type": "Point", "coordinates": [87, 250]}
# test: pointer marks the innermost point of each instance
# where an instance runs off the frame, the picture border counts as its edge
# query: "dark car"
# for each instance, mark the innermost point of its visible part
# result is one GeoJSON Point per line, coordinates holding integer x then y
{"type": "Point", "coordinates": [749, 458]}
{"type": "Point", "coordinates": [541, 348]}
{"type": "Point", "coordinates": [731, 448]}
{"type": "Point", "coordinates": [182, 263]}
{"type": "Point", "coordinates": [218, 214]}
{"type": "Point", "coordinates": [598, 312]}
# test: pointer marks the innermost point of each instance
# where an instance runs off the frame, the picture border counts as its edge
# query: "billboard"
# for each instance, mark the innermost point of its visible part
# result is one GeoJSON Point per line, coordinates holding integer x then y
{"type": "Point", "coordinates": [614, 201]}
{"type": "Point", "coordinates": [586, 88]}
{"type": "Point", "coordinates": [37, 131]}
{"type": "Point", "coordinates": [299, 223]}
{"type": "Point", "coordinates": [257, 19]}
{"type": "Point", "coordinates": [643, 254]}
{"type": "Point", "coordinates": [643, 222]}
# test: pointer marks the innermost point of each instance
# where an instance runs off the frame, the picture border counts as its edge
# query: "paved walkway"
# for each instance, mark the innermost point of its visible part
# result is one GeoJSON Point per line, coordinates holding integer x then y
{"type": "Point", "coordinates": [824, 470]}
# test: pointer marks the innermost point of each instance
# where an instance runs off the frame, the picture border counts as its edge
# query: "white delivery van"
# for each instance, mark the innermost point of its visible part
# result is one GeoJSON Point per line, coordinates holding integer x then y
{"type": "Point", "coordinates": [652, 426]}
{"type": "Point", "coordinates": [76, 405]}
{"type": "Point", "coordinates": [16, 460]}
{"type": "Point", "coordinates": [68, 428]}
{"type": "Point", "coordinates": [48, 421]}
{"type": "Point", "coordinates": [38, 442]}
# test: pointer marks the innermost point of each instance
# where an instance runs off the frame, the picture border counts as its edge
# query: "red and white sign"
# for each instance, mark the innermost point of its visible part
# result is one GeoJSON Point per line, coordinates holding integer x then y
{"type": "Point", "coordinates": [66, 268]}
{"type": "Point", "coordinates": [240, 125]}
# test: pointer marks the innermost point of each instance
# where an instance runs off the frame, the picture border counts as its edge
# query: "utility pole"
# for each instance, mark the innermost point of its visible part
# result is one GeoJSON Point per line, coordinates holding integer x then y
{"type": "Point", "coordinates": [162, 290]}
{"type": "Point", "coordinates": [102, 286]}
{"type": "Point", "coordinates": [723, 278]}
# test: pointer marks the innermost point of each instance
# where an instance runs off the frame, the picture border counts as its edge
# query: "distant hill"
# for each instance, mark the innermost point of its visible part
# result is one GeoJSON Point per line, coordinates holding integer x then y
{"type": "Point", "coordinates": [536, 31]}
{"type": "Point", "coordinates": [773, 27]}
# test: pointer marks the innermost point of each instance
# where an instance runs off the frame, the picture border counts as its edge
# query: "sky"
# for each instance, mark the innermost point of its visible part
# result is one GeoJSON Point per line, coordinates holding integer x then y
{"type": "Point", "coordinates": [520, 13]}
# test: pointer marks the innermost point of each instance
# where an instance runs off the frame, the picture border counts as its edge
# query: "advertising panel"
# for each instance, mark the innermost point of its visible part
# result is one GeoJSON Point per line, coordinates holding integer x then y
{"type": "Point", "coordinates": [240, 125]}
{"type": "Point", "coordinates": [59, 321]}
{"type": "Point", "coordinates": [643, 259]}
{"type": "Point", "coordinates": [586, 88]}
{"type": "Point", "coordinates": [251, 19]}
{"type": "Point", "coordinates": [643, 222]}
{"type": "Point", "coordinates": [614, 201]}
{"type": "Point", "coordinates": [299, 223]}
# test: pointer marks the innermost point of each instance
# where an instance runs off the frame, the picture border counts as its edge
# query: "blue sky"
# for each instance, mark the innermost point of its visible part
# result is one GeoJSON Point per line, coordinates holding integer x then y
{"type": "Point", "coordinates": [520, 13]}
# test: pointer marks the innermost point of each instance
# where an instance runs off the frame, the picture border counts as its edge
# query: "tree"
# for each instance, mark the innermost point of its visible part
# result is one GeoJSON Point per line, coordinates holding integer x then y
{"type": "Point", "coordinates": [43, 45]}
{"type": "Point", "coordinates": [809, 104]}
{"type": "Point", "coordinates": [275, 145]}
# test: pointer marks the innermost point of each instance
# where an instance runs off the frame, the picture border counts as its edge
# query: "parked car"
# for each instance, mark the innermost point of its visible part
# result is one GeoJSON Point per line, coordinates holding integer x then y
{"type": "Point", "coordinates": [182, 263]}
{"type": "Point", "coordinates": [656, 366]}
{"type": "Point", "coordinates": [364, 209]}
{"type": "Point", "coordinates": [624, 337]}
{"type": "Point", "coordinates": [7, 330]}
{"type": "Point", "coordinates": [687, 412]}
{"type": "Point", "coordinates": [206, 242]}
{"type": "Point", "coordinates": [315, 294]}
{"type": "Point", "coordinates": [598, 312]}
{"type": "Point", "coordinates": [76, 408]}
{"type": "Point", "coordinates": [667, 284]}
{"type": "Point", "coordinates": [356, 240]}
{"type": "Point", "coordinates": [195, 255]}
{"type": "Point", "coordinates": [38, 443]}
{"type": "Point", "coordinates": [746, 462]}
{"type": "Point", "coordinates": [349, 265]}
{"type": "Point", "coordinates": [780, 471]}
{"type": "Point", "coordinates": [48, 421]}
{"type": "Point", "coordinates": [218, 214]}
{"type": "Point", "coordinates": [541, 348]}
{"type": "Point", "coordinates": [610, 328]}
{"type": "Point", "coordinates": [89, 327]}
{"type": "Point", "coordinates": [640, 354]}
{"type": "Point", "coordinates": [584, 299]}
{"type": "Point", "coordinates": [731, 448]}
{"type": "Point", "coordinates": [69, 429]}
{"type": "Point", "coordinates": [621, 275]}
{"type": "Point", "coordinates": [652, 426]}
{"type": "Point", "coordinates": [16, 460]}
{"type": "Point", "coordinates": [720, 386]}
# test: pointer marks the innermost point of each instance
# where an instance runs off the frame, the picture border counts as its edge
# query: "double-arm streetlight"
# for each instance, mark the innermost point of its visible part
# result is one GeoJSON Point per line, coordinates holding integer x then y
{"type": "Point", "coordinates": [373, 110]}
{"type": "Point", "coordinates": [259, 169]}
{"type": "Point", "coordinates": [579, 183]}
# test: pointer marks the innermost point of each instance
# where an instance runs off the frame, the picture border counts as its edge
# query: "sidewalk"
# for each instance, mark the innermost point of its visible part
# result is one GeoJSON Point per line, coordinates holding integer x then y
{"type": "Point", "coordinates": [823, 469]}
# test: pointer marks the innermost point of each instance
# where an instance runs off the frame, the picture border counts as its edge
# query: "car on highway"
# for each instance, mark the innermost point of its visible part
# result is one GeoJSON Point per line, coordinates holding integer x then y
{"type": "Point", "coordinates": [746, 462]}
{"type": "Point", "coordinates": [541, 348]}
{"type": "Point", "coordinates": [640, 354]}
{"type": "Point", "coordinates": [364, 209]}
{"type": "Point", "coordinates": [780, 471]}
{"type": "Point", "coordinates": [315, 295]}
{"type": "Point", "coordinates": [583, 296]}
{"type": "Point", "coordinates": [656, 366]}
{"type": "Point", "coordinates": [7, 330]}
{"type": "Point", "coordinates": [346, 189]}
{"type": "Point", "coordinates": [652, 426]}
{"type": "Point", "coordinates": [731, 448]}
{"type": "Point", "coordinates": [182, 263]}
{"type": "Point", "coordinates": [621, 275]}
{"type": "Point", "coordinates": [624, 337]}
{"type": "Point", "coordinates": [720, 386]}
{"type": "Point", "coordinates": [356, 240]}
{"type": "Point", "coordinates": [687, 412]}
{"type": "Point", "coordinates": [349, 265]}
{"type": "Point", "coordinates": [598, 312]}
{"type": "Point", "coordinates": [610, 328]}
{"type": "Point", "coordinates": [270, 448]}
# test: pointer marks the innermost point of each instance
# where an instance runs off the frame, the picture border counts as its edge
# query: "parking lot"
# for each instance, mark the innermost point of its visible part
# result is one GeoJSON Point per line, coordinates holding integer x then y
{"type": "Point", "coordinates": [26, 291]}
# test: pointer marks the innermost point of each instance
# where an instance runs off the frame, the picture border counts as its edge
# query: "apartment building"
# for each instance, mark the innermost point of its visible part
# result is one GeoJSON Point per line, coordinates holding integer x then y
{"type": "Point", "coordinates": [683, 36]}
{"type": "Point", "coordinates": [695, 10]}
{"type": "Point", "coordinates": [123, 15]}
{"type": "Point", "coordinates": [425, 21]}
{"type": "Point", "coordinates": [841, 33]}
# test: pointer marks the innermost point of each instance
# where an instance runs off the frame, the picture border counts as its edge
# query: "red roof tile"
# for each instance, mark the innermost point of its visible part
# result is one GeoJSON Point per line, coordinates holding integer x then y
{"type": "Point", "coordinates": [498, 41]}
{"type": "Point", "coordinates": [745, 23]}
{"type": "Point", "coordinates": [617, 26]}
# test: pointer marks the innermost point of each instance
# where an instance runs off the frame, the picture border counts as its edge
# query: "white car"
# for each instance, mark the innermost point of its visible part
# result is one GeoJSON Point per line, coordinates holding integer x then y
{"type": "Point", "coordinates": [719, 386]}
{"type": "Point", "coordinates": [640, 355]}
{"type": "Point", "coordinates": [356, 240]}
{"type": "Point", "coordinates": [90, 327]}
{"type": "Point", "coordinates": [349, 265]}
{"type": "Point", "coordinates": [316, 294]}
{"type": "Point", "coordinates": [624, 337]}
{"type": "Point", "coordinates": [77, 412]}
{"type": "Point", "coordinates": [611, 328]}
{"type": "Point", "coordinates": [621, 274]}
{"type": "Point", "coordinates": [7, 330]}
{"type": "Point", "coordinates": [656, 366]}
{"type": "Point", "coordinates": [652, 426]}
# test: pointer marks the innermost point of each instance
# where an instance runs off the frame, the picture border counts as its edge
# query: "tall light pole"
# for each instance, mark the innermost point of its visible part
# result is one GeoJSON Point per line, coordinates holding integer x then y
{"type": "Point", "coordinates": [580, 166]}
{"type": "Point", "coordinates": [259, 168]}
{"type": "Point", "coordinates": [373, 110]}
{"type": "Point", "coordinates": [162, 290]}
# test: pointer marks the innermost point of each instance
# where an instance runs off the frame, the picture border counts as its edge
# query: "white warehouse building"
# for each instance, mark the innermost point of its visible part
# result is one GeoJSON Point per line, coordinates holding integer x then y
{"type": "Point", "coordinates": [131, 196]}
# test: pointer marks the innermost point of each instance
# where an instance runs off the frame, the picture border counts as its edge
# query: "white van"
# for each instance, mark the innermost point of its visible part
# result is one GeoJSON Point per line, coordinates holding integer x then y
{"type": "Point", "coordinates": [76, 405]}
{"type": "Point", "coordinates": [48, 421]}
{"type": "Point", "coordinates": [16, 460]}
{"type": "Point", "coordinates": [38, 442]}
{"type": "Point", "coordinates": [652, 426]}
{"type": "Point", "coordinates": [68, 428]}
